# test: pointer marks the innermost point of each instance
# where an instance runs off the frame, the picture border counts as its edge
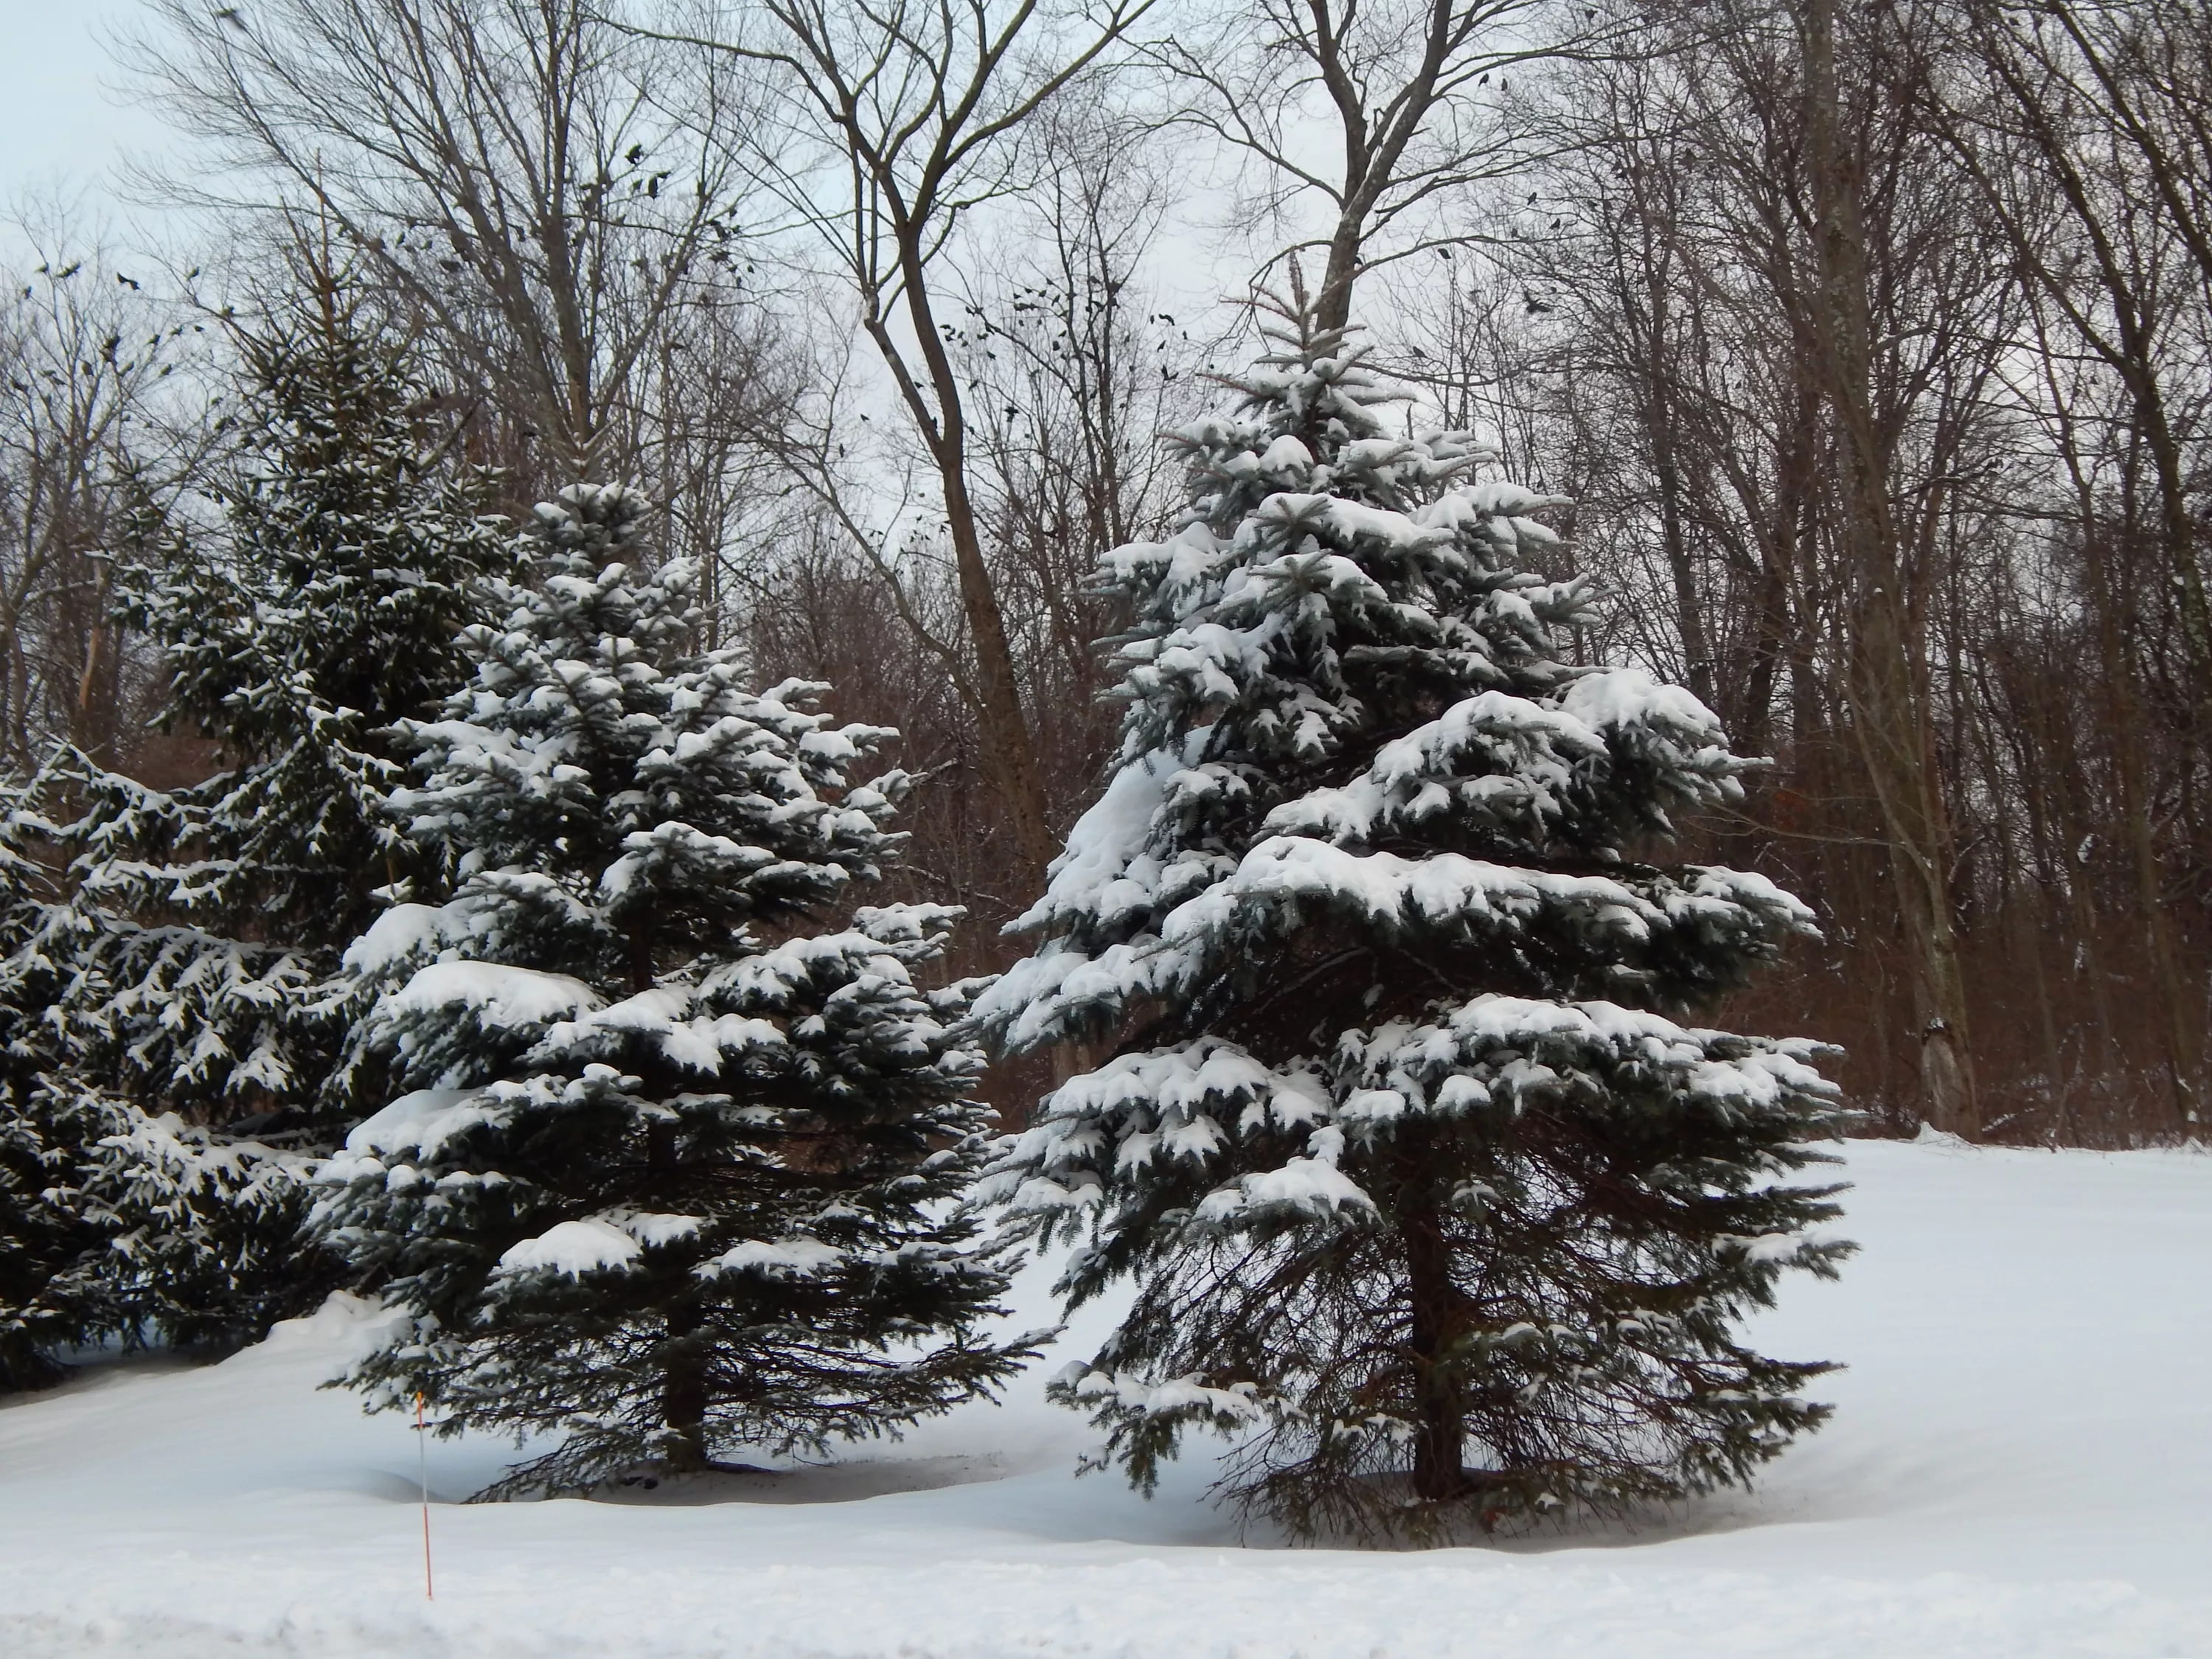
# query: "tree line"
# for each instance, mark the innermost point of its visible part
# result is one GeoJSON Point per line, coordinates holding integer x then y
{"type": "Point", "coordinates": [518, 968]}
{"type": "Point", "coordinates": [1867, 341]}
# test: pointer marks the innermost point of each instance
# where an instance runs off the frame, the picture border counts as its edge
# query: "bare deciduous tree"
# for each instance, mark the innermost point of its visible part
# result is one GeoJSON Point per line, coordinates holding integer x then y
{"type": "Point", "coordinates": [503, 163]}
{"type": "Point", "coordinates": [87, 464]}
{"type": "Point", "coordinates": [1417, 90]}
{"type": "Point", "coordinates": [900, 122]}
{"type": "Point", "coordinates": [1890, 716]}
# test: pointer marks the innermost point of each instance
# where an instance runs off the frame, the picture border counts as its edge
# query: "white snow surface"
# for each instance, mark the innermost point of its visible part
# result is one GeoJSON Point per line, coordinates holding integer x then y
{"type": "Point", "coordinates": [787, 1258]}
{"type": "Point", "coordinates": [572, 1248]}
{"type": "Point", "coordinates": [410, 930]}
{"type": "Point", "coordinates": [501, 995]}
{"type": "Point", "coordinates": [2021, 1465]}
{"type": "Point", "coordinates": [419, 1123]}
{"type": "Point", "coordinates": [1629, 696]}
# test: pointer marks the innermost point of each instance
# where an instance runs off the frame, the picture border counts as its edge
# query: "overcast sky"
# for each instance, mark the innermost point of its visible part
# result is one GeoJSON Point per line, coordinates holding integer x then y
{"type": "Point", "coordinates": [64, 129]}
{"type": "Point", "coordinates": [58, 125]}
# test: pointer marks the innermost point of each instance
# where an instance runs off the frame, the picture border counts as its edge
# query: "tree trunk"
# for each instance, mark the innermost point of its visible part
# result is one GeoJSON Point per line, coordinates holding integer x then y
{"type": "Point", "coordinates": [683, 1393]}
{"type": "Point", "coordinates": [1010, 757]}
{"type": "Point", "coordinates": [1440, 1437]}
{"type": "Point", "coordinates": [683, 1359]}
{"type": "Point", "coordinates": [1332, 307]}
{"type": "Point", "coordinates": [1889, 714]}
{"type": "Point", "coordinates": [1689, 610]}
{"type": "Point", "coordinates": [1009, 748]}
{"type": "Point", "coordinates": [2176, 1004]}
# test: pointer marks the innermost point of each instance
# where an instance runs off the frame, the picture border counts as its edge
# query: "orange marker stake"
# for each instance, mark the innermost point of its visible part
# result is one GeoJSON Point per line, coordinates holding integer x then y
{"type": "Point", "coordinates": [422, 1461]}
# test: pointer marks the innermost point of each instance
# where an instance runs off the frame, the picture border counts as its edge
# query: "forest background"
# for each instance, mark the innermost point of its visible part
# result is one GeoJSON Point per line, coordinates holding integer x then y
{"type": "Point", "coordinates": [1873, 343]}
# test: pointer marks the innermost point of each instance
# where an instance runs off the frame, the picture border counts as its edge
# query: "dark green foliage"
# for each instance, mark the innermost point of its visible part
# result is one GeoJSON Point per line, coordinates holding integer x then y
{"type": "Point", "coordinates": [48, 1231]}
{"type": "Point", "coordinates": [675, 1173]}
{"type": "Point", "coordinates": [1424, 1191]}
{"type": "Point", "coordinates": [182, 972]}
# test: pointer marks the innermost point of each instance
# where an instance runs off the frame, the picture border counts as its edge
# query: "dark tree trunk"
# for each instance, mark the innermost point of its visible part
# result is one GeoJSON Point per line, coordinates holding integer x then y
{"type": "Point", "coordinates": [1889, 714]}
{"type": "Point", "coordinates": [1440, 1442]}
{"type": "Point", "coordinates": [683, 1364]}
{"type": "Point", "coordinates": [683, 1394]}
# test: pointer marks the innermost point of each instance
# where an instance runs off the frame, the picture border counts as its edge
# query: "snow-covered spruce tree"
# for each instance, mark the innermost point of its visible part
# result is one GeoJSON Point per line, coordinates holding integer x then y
{"type": "Point", "coordinates": [677, 1171]}
{"type": "Point", "coordinates": [1423, 1190]}
{"type": "Point", "coordinates": [48, 1234]}
{"type": "Point", "coordinates": [188, 974]}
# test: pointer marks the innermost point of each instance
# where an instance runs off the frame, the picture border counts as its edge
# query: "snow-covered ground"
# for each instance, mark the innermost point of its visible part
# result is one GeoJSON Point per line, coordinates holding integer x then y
{"type": "Point", "coordinates": [2020, 1465]}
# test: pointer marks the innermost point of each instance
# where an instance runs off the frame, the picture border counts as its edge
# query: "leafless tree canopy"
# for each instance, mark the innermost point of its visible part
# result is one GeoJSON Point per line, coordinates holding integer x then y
{"type": "Point", "coordinates": [1874, 343]}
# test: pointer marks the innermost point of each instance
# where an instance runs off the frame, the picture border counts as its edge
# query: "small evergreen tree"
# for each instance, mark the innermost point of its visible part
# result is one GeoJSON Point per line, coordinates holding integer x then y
{"type": "Point", "coordinates": [186, 976]}
{"type": "Point", "coordinates": [1422, 1188]}
{"type": "Point", "coordinates": [674, 1173]}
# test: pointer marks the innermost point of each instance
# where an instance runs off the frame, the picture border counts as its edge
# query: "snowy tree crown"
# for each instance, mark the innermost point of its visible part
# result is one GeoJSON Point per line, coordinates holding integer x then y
{"type": "Point", "coordinates": [1345, 693]}
{"type": "Point", "coordinates": [645, 785]}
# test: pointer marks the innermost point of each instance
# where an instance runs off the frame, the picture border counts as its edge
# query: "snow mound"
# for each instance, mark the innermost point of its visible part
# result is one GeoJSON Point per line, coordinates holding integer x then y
{"type": "Point", "coordinates": [572, 1248]}
{"type": "Point", "coordinates": [500, 995]}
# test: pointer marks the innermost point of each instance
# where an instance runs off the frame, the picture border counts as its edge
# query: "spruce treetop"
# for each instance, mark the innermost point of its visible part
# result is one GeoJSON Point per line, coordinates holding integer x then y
{"type": "Point", "coordinates": [351, 541]}
{"type": "Point", "coordinates": [1340, 661]}
{"type": "Point", "coordinates": [661, 796]}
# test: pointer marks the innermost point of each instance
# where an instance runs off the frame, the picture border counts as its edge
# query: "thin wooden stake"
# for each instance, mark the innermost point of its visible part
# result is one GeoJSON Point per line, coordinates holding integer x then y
{"type": "Point", "coordinates": [422, 1461]}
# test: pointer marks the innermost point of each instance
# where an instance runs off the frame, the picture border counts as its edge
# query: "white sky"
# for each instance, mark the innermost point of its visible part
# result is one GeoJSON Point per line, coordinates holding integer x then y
{"type": "Point", "coordinates": [60, 128]}
{"type": "Point", "coordinates": [66, 129]}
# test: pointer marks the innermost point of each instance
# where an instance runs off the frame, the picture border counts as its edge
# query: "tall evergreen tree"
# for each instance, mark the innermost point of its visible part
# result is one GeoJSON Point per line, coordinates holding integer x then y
{"type": "Point", "coordinates": [1423, 1191]}
{"type": "Point", "coordinates": [674, 1173]}
{"type": "Point", "coordinates": [48, 1232]}
{"type": "Point", "coordinates": [186, 976]}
